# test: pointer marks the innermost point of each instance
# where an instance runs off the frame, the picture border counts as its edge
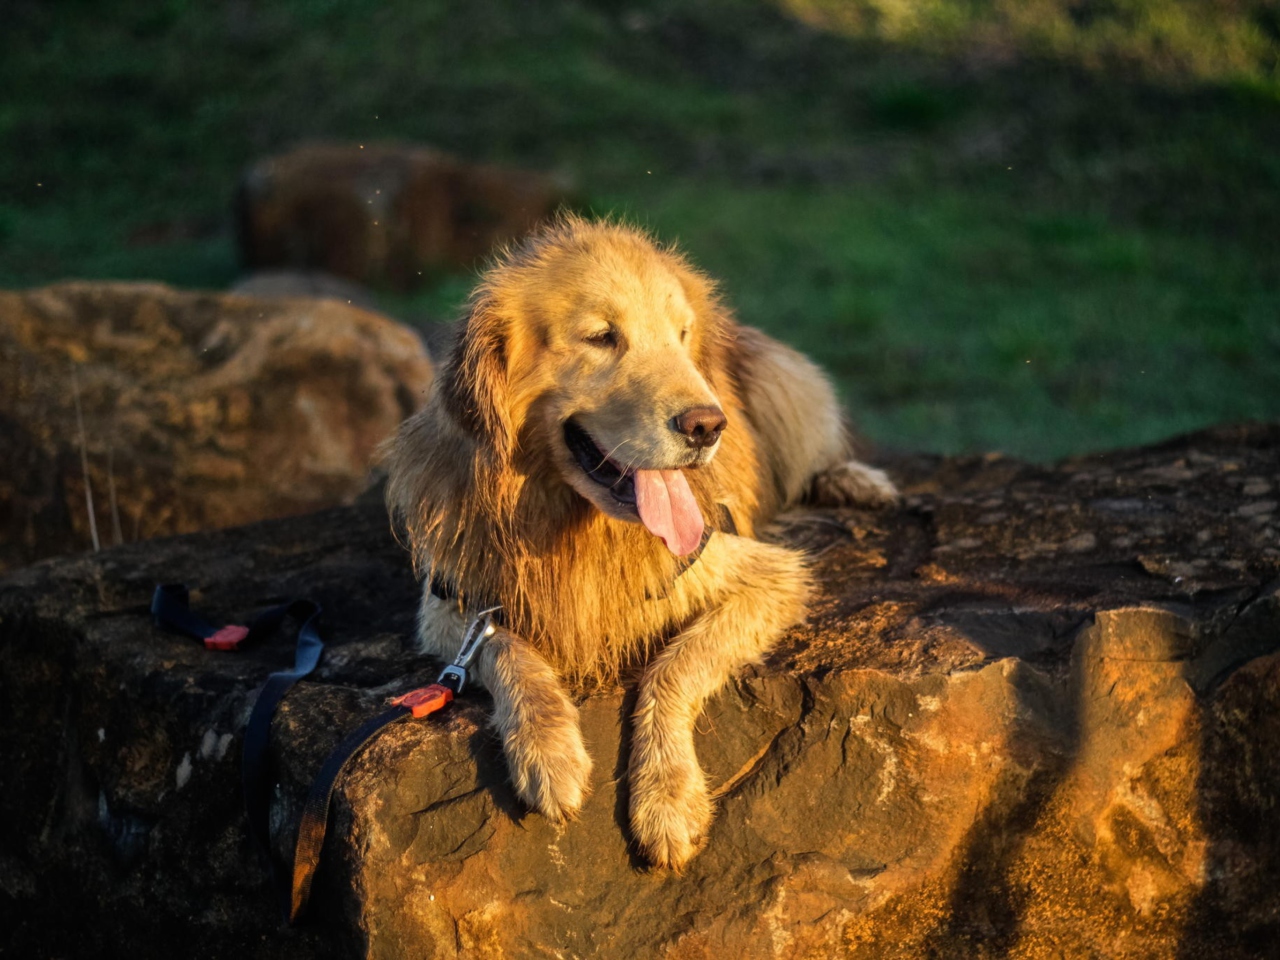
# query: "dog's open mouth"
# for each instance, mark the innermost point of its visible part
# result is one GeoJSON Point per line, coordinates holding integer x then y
{"type": "Point", "coordinates": [661, 498]}
{"type": "Point", "coordinates": [598, 467]}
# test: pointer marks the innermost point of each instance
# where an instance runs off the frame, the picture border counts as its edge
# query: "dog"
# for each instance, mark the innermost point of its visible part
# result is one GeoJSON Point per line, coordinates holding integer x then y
{"type": "Point", "coordinates": [596, 456]}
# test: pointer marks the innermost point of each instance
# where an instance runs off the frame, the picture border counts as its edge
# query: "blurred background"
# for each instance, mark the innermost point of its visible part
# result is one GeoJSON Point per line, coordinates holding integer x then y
{"type": "Point", "coordinates": [1036, 226]}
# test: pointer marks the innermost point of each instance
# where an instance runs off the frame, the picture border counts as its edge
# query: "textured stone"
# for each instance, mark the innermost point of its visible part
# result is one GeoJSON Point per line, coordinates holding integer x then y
{"type": "Point", "coordinates": [384, 213]}
{"type": "Point", "coordinates": [200, 410]}
{"type": "Point", "coordinates": [993, 738]}
{"type": "Point", "coordinates": [304, 283]}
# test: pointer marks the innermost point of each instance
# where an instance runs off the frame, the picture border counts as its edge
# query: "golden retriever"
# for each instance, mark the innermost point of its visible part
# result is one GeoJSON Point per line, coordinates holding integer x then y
{"type": "Point", "coordinates": [595, 457]}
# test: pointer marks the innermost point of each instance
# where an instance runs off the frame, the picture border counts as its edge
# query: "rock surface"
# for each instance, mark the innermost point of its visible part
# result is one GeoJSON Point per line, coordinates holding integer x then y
{"type": "Point", "coordinates": [1034, 714]}
{"type": "Point", "coordinates": [315, 284]}
{"type": "Point", "coordinates": [200, 410]}
{"type": "Point", "coordinates": [384, 213]}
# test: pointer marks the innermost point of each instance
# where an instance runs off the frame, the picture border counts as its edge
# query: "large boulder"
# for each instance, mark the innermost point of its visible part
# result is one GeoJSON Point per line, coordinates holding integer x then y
{"type": "Point", "coordinates": [304, 283]}
{"type": "Point", "coordinates": [199, 410]}
{"type": "Point", "coordinates": [384, 213]}
{"type": "Point", "coordinates": [1034, 714]}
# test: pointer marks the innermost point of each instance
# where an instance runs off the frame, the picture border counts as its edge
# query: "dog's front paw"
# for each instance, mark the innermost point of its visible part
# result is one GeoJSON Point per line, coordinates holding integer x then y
{"type": "Point", "coordinates": [549, 764]}
{"type": "Point", "coordinates": [853, 484]}
{"type": "Point", "coordinates": [670, 813]}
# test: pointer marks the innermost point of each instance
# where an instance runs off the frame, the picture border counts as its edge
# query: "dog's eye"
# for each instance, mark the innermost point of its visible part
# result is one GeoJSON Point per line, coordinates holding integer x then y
{"type": "Point", "coordinates": [684, 335]}
{"type": "Point", "coordinates": [603, 338]}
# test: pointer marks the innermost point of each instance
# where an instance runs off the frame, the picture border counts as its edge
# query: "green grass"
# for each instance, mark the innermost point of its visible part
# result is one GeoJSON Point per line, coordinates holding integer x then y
{"type": "Point", "coordinates": [969, 325]}
{"type": "Point", "coordinates": [1041, 235]}
{"type": "Point", "coordinates": [1173, 39]}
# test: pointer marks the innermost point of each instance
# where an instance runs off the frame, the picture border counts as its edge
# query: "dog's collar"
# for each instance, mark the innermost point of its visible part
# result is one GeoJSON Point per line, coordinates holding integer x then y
{"type": "Point", "coordinates": [445, 589]}
{"type": "Point", "coordinates": [726, 525]}
{"type": "Point", "coordinates": [442, 588]}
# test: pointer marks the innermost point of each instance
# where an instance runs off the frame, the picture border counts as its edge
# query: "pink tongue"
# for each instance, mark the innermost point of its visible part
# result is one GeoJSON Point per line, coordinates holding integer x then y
{"type": "Point", "coordinates": [668, 509]}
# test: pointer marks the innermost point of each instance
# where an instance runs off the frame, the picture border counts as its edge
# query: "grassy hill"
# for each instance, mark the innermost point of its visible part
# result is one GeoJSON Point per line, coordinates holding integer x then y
{"type": "Point", "coordinates": [1043, 227]}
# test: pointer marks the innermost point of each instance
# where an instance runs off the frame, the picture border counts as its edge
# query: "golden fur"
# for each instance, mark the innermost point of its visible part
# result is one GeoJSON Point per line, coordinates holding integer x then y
{"type": "Point", "coordinates": [592, 322]}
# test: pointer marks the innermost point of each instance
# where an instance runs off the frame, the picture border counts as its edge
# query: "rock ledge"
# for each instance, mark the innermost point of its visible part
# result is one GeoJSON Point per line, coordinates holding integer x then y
{"type": "Point", "coordinates": [1035, 713]}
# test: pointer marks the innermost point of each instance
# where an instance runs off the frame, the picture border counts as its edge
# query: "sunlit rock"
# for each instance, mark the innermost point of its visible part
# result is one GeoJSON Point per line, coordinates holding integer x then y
{"type": "Point", "coordinates": [994, 738]}
{"type": "Point", "coordinates": [200, 410]}
{"type": "Point", "coordinates": [384, 213]}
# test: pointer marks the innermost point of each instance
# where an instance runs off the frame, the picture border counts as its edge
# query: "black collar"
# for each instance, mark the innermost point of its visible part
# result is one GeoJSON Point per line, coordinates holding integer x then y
{"type": "Point", "coordinates": [726, 525]}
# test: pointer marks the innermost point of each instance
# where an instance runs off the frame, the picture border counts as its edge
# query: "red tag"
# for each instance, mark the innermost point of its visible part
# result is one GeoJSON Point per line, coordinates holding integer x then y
{"type": "Point", "coordinates": [424, 700]}
{"type": "Point", "coordinates": [228, 638]}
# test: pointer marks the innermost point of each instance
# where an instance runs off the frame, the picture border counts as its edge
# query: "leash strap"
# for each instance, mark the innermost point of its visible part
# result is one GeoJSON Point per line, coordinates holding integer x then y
{"type": "Point", "coordinates": [255, 780]}
{"type": "Point", "coordinates": [315, 815]}
{"type": "Point", "coordinates": [417, 704]}
{"type": "Point", "coordinates": [171, 609]}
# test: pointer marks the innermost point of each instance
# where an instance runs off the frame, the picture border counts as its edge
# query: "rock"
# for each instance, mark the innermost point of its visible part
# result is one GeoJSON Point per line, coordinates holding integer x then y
{"type": "Point", "coordinates": [994, 737]}
{"type": "Point", "coordinates": [200, 410]}
{"type": "Point", "coordinates": [382, 213]}
{"type": "Point", "coordinates": [304, 283]}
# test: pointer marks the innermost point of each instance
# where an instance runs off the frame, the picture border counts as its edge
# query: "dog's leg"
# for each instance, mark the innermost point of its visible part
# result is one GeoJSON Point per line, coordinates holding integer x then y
{"type": "Point", "coordinates": [538, 723]}
{"type": "Point", "coordinates": [440, 626]}
{"type": "Point", "coordinates": [851, 483]}
{"type": "Point", "coordinates": [803, 433]}
{"type": "Point", "coordinates": [670, 804]}
{"type": "Point", "coordinates": [541, 735]}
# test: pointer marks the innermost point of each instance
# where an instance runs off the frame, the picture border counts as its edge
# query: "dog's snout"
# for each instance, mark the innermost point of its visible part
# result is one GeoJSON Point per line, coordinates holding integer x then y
{"type": "Point", "coordinates": [701, 426]}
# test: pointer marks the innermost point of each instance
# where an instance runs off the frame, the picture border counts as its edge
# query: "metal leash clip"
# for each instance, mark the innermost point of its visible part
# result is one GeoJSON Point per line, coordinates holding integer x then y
{"type": "Point", "coordinates": [427, 700]}
{"type": "Point", "coordinates": [481, 629]}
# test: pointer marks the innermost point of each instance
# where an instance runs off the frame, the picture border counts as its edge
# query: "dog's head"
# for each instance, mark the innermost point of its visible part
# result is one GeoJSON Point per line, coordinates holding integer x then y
{"type": "Point", "coordinates": [594, 352]}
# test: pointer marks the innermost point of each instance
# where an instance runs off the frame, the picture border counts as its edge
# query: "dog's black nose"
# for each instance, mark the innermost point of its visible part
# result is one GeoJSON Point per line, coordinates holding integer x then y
{"type": "Point", "coordinates": [700, 425]}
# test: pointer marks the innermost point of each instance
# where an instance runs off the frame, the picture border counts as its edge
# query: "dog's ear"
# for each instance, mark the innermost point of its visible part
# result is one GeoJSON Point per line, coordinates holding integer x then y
{"type": "Point", "coordinates": [474, 381]}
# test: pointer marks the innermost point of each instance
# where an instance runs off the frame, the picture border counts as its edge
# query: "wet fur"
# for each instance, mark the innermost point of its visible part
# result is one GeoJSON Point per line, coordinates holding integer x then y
{"type": "Point", "coordinates": [478, 481]}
